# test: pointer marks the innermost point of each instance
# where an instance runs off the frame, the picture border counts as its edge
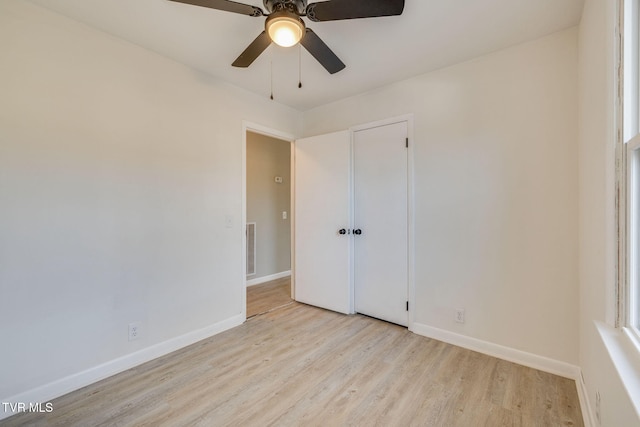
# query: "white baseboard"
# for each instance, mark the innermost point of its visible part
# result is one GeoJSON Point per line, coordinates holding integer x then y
{"type": "Point", "coordinates": [520, 357]}
{"type": "Point", "coordinates": [74, 382]}
{"type": "Point", "coordinates": [585, 403]}
{"type": "Point", "coordinates": [264, 279]}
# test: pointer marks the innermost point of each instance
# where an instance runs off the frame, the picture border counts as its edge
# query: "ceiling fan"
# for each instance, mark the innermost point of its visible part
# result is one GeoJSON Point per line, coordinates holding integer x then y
{"type": "Point", "coordinates": [285, 27]}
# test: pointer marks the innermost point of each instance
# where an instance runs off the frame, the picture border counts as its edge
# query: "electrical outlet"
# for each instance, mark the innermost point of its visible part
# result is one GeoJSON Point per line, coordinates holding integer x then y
{"type": "Point", "coordinates": [460, 315]}
{"type": "Point", "coordinates": [134, 331]}
{"type": "Point", "coordinates": [598, 407]}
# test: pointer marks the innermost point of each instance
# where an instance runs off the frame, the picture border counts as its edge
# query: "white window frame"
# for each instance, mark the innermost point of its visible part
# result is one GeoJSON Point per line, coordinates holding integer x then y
{"type": "Point", "coordinates": [628, 169]}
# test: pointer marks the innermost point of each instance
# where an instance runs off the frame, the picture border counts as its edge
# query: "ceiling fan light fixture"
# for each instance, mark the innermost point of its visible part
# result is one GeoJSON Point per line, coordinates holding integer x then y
{"type": "Point", "coordinates": [285, 29]}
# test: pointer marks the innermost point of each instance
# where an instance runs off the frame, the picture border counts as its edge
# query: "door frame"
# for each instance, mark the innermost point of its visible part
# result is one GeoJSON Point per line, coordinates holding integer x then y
{"type": "Point", "coordinates": [411, 288]}
{"type": "Point", "coordinates": [287, 137]}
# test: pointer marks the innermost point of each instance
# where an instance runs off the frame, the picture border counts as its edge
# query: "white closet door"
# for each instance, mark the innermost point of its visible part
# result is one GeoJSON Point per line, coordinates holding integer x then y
{"type": "Point", "coordinates": [380, 212]}
{"type": "Point", "coordinates": [322, 182]}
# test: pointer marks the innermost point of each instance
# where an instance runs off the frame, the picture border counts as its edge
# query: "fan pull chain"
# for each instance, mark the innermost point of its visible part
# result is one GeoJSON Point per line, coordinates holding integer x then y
{"type": "Point", "coordinates": [271, 80]}
{"type": "Point", "coordinates": [299, 66]}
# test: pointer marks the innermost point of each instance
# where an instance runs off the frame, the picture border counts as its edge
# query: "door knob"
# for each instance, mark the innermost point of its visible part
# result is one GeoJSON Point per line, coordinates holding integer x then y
{"type": "Point", "coordinates": [342, 231]}
{"type": "Point", "coordinates": [357, 231]}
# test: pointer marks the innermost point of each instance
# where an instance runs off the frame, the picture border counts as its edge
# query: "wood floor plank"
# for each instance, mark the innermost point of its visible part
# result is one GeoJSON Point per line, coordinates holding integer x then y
{"type": "Point", "coordinates": [301, 365]}
{"type": "Point", "coordinates": [268, 296]}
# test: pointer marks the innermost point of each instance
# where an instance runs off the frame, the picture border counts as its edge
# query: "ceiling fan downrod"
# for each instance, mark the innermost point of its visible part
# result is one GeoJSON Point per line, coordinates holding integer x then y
{"type": "Point", "coordinates": [295, 6]}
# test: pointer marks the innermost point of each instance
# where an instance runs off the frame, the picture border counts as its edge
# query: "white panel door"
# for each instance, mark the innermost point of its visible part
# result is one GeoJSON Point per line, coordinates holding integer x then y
{"type": "Point", "coordinates": [380, 211]}
{"type": "Point", "coordinates": [322, 260]}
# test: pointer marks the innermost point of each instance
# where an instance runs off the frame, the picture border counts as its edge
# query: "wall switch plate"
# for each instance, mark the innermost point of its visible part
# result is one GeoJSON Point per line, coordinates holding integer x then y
{"type": "Point", "coordinates": [460, 315]}
{"type": "Point", "coordinates": [228, 221]}
{"type": "Point", "coordinates": [284, 214]}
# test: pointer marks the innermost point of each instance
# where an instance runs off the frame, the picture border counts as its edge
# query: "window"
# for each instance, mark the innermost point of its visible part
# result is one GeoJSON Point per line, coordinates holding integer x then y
{"type": "Point", "coordinates": [633, 191]}
{"type": "Point", "coordinates": [629, 169]}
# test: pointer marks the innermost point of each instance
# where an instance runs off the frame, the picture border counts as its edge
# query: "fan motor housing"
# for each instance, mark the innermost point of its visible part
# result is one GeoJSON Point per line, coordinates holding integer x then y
{"type": "Point", "coordinates": [296, 6]}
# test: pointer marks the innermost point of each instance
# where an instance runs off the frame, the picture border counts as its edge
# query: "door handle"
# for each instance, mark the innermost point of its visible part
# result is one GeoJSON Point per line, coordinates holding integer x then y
{"type": "Point", "coordinates": [342, 231]}
{"type": "Point", "coordinates": [357, 231]}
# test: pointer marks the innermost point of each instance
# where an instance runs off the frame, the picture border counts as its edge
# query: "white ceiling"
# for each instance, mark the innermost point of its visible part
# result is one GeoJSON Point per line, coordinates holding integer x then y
{"type": "Point", "coordinates": [430, 34]}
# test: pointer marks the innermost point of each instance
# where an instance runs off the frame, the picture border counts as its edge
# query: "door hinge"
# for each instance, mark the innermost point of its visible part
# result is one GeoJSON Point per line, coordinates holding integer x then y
{"type": "Point", "coordinates": [407, 305]}
{"type": "Point", "coordinates": [407, 142]}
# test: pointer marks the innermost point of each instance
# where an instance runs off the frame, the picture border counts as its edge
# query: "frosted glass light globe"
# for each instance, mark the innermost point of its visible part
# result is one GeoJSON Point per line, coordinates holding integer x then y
{"type": "Point", "coordinates": [285, 30]}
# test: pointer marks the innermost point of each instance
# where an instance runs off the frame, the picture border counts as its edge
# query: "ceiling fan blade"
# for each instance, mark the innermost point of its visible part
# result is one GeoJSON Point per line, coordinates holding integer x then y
{"type": "Point", "coordinates": [252, 51]}
{"type": "Point", "coordinates": [228, 6]}
{"type": "Point", "coordinates": [319, 50]}
{"type": "Point", "coordinates": [334, 10]}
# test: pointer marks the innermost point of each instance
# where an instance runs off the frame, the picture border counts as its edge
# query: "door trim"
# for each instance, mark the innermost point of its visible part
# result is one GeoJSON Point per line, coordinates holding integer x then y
{"type": "Point", "coordinates": [411, 291]}
{"type": "Point", "coordinates": [274, 133]}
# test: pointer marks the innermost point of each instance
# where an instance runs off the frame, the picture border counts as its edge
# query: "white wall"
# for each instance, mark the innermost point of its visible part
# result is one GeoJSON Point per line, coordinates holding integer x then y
{"type": "Point", "coordinates": [117, 170]}
{"type": "Point", "coordinates": [267, 158]}
{"type": "Point", "coordinates": [597, 233]}
{"type": "Point", "coordinates": [496, 192]}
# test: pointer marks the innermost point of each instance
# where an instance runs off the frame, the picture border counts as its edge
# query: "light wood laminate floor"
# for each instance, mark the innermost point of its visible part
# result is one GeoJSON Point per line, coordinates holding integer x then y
{"type": "Point", "coordinates": [304, 366]}
{"type": "Point", "coordinates": [268, 296]}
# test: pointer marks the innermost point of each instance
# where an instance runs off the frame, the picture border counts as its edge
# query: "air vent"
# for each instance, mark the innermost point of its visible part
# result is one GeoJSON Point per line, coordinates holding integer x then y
{"type": "Point", "coordinates": [251, 248]}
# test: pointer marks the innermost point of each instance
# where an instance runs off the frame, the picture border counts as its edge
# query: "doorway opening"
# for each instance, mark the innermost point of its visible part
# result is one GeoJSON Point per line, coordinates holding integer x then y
{"type": "Point", "coordinates": [268, 220]}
